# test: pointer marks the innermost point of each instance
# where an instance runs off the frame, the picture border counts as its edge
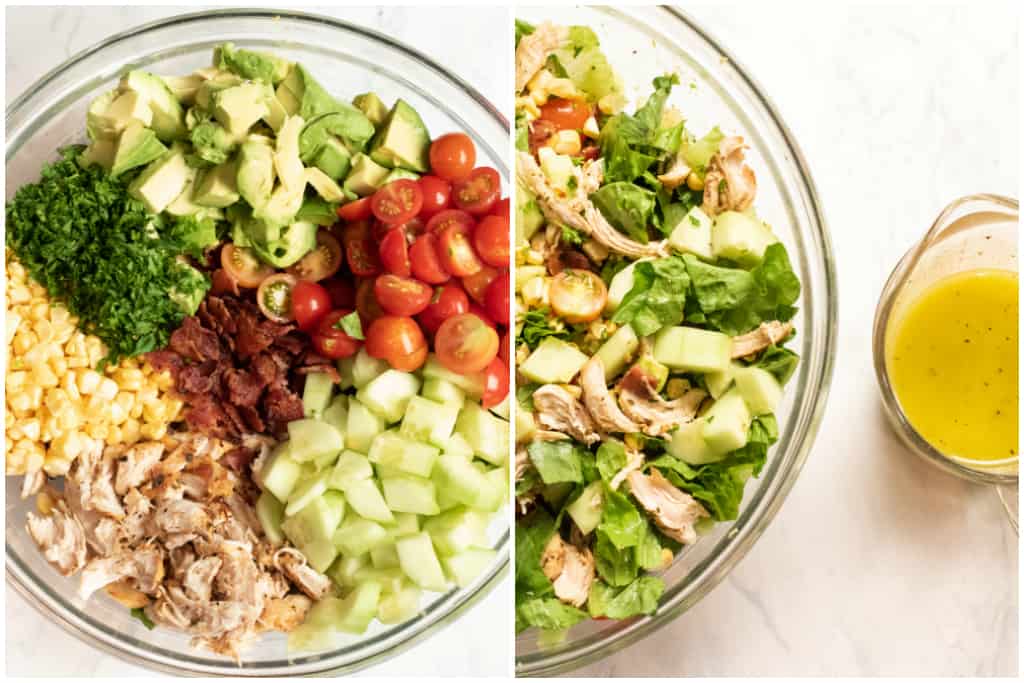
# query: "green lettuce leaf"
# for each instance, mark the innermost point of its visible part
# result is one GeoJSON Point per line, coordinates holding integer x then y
{"type": "Point", "coordinates": [631, 144]}
{"type": "Point", "coordinates": [532, 535]}
{"type": "Point", "coordinates": [523, 29]}
{"type": "Point", "coordinates": [779, 361]}
{"type": "Point", "coordinates": [627, 207]}
{"type": "Point", "coordinates": [621, 521]}
{"type": "Point", "coordinates": [548, 613]}
{"type": "Point", "coordinates": [639, 597]}
{"type": "Point", "coordinates": [557, 461]}
{"type": "Point", "coordinates": [615, 565]}
{"type": "Point", "coordinates": [657, 297]}
{"type": "Point", "coordinates": [611, 458]}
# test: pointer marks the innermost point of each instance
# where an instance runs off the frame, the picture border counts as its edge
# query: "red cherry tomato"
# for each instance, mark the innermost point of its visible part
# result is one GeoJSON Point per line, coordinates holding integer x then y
{"type": "Point", "coordinates": [501, 208]}
{"type": "Point", "coordinates": [360, 250]}
{"type": "Point", "coordinates": [398, 340]}
{"type": "Point", "coordinates": [310, 303]}
{"type": "Point", "coordinates": [424, 260]}
{"type": "Point", "coordinates": [243, 266]}
{"type": "Point", "coordinates": [401, 295]}
{"type": "Point", "coordinates": [491, 240]}
{"type": "Point", "coordinates": [366, 303]}
{"type": "Point", "coordinates": [476, 284]}
{"type": "Point", "coordinates": [496, 301]}
{"type": "Point", "coordinates": [455, 252]}
{"type": "Point", "coordinates": [481, 312]}
{"type": "Point", "coordinates": [436, 194]}
{"type": "Point", "coordinates": [478, 193]}
{"type": "Point", "coordinates": [566, 114]}
{"type": "Point", "coordinates": [495, 383]}
{"type": "Point", "coordinates": [324, 261]}
{"type": "Point", "coordinates": [503, 348]}
{"type": "Point", "coordinates": [359, 210]}
{"type": "Point", "coordinates": [452, 156]}
{"type": "Point", "coordinates": [465, 344]}
{"type": "Point", "coordinates": [343, 294]}
{"type": "Point", "coordinates": [331, 340]}
{"type": "Point", "coordinates": [448, 218]}
{"type": "Point", "coordinates": [448, 300]}
{"type": "Point", "coordinates": [394, 252]}
{"type": "Point", "coordinates": [397, 202]}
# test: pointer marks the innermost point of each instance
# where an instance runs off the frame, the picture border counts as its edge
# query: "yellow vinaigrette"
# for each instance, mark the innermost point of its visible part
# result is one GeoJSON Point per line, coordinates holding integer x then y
{"type": "Point", "coordinates": [953, 364]}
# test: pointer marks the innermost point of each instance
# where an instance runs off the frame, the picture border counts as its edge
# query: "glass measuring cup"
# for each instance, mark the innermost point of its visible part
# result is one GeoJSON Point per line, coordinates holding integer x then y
{"type": "Point", "coordinates": [973, 232]}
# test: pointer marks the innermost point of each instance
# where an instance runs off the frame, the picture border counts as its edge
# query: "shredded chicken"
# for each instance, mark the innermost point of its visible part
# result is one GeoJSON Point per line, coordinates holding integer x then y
{"type": "Point", "coordinates": [145, 565]}
{"type": "Point", "coordinates": [60, 537]}
{"type": "Point", "coordinates": [729, 184]}
{"type": "Point", "coordinates": [293, 565]}
{"type": "Point", "coordinates": [674, 511]}
{"type": "Point", "coordinates": [578, 212]}
{"type": "Point", "coordinates": [32, 484]}
{"type": "Point", "coordinates": [634, 461]}
{"type": "Point", "coordinates": [570, 570]}
{"type": "Point", "coordinates": [139, 461]}
{"type": "Point", "coordinates": [757, 340]}
{"type": "Point", "coordinates": [560, 411]}
{"type": "Point", "coordinates": [533, 51]}
{"type": "Point", "coordinates": [599, 401]}
{"type": "Point", "coordinates": [642, 403]}
{"type": "Point", "coordinates": [284, 614]}
{"type": "Point", "coordinates": [676, 174]}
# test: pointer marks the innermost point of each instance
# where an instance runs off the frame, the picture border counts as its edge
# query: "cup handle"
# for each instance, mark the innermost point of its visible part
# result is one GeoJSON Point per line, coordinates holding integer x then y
{"type": "Point", "coordinates": [1009, 496]}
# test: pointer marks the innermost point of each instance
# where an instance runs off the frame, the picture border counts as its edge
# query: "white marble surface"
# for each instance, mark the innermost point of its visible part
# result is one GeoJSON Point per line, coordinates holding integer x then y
{"type": "Point", "coordinates": [38, 39]}
{"type": "Point", "coordinates": [876, 564]}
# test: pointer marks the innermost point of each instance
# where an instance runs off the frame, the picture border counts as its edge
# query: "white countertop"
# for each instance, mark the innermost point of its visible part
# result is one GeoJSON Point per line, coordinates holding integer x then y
{"type": "Point", "coordinates": [480, 642]}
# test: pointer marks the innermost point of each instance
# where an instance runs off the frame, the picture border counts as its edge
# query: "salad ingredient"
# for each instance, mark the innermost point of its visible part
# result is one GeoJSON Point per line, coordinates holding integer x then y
{"type": "Point", "coordinates": [310, 303]}
{"type": "Point", "coordinates": [673, 511]}
{"type": "Point", "coordinates": [455, 252]}
{"type": "Point", "coordinates": [243, 266]}
{"type": "Point", "coordinates": [577, 296]}
{"type": "Point", "coordinates": [321, 263]}
{"type": "Point", "coordinates": [358, 210]}
{"type": "Point", "coordinates": [449, 217]}
{"type": "Point", "coordinates": [398, 340]}
{"type": "Point", "coordinates": [436, 195]}
{"type": "Point", "coordinates": [477, 193]}
{"type": "Point", "coordinates": [757, 340]}
{"type": "Point", "coordinates": [729, 184]}
{"type": "Point", "coordinates": [566, 114]}
{"type": "Point", "coordinates": [465, 344]}
{"type": "Point", "coordinates": [570, 570]}
{"type": "Point", "coordinates": [554, 361]}
{"type": "Point", "coordinates": [560, 411]}
{"type": "Point", "coordinates": [477, 284]}
{"type": "Point", "coordinates": [495, 383]}
{"type": "Point", "coordinates": [641, 402]}
{"type": "Point", "coordinates": [394, 252]}
{"type": "Point", "coordinates": [359, 249]}
{"type": "Point", "coordinates": [338, 335]}
{"type": "Point", "coordinates": [397, 202]}
{"type": "Point", "coordinates": [401, 296]}
{"type": "Point", "coordinates": [447, 301]}
{"type": "Point", "coordinates": [491, 240]}
{"type": "Point", "coordinates": [425, 260]}
{"type": "Point", "coordinates": [496, 300]}
{"type": "Point", "coordinates": [600, 403]}
{"type": "Point", "coordinates": [275, 297]}
{"type": "Point", "coordinates": [452, 156]}
{"type": "Point", "coordinates": [533, 49]}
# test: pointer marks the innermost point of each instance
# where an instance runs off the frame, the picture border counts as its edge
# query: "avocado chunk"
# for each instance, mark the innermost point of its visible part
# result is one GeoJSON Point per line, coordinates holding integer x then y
{"type": "Point", "coordinates": [366, 176]}
{"type": "Point", "coordinates": [255, 172]}
{"type": "Point", "coordinates": [192, 290]}
{"type": "Point", "coordinates": [324, 186]}
{"type": "Point", "coordinates": [399, 174]}
{"type": "Point", "coordinates": [218, 186]}
{"type": "Point", "coordinates": [334, 158]}
{"type": "Point", "coordinates": [168, 114]}
{"type": "Point", "coordinates": [239, 107]}
{"type": "Point", "coordinates": [276, 114]}
{"type": "Point", "coordinates": [99, 152]}
{"type": "Point", "coordinates": [136, 147]}
{"type": "Point", "coordinates": [316, 210]}
{"type": "Point", "coordinates": [310, 97]}
{"type": "Point", "coordinates": [162, 181]}
{"type": "Point", "coordinates": [403, 142]}
{"type": "Point", "coordinates": [372, 107]}
{"type": "Point", "coordinates": [124, 109]}
{"type": "Point", "coordinates": [354, 129]}
{"type": "Point", "coordinates": [183, 204]}
{"type": "Point", "coordinates": [251, 231]}
{"type": "Point", "coordinates": [297, 240]}
{"type": "Point", "coordinates": [96, 124]}
{"type": "Point", "coordinates": [212, 86]}
{"type": "Point", "coordinates": [286, 156]}
{"type": "Point", "coordinates": [184, 88]}
{"type": "Point", "coordinates": [212, 142]}
{"type": "Point", "coordinates": [251, 65]}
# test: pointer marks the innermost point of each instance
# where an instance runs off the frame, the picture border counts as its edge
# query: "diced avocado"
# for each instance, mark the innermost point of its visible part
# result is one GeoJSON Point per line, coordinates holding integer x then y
{"type": "Point", "coordinates": [692, 234]}
{"type": "Point", "coordinates": [333, 159]}
{"type": "Point", "coordinates": [399, 174]}
{"type": "Point", "coordinates": [239, 107]}
{"type": "Point", "coordinates": [122, 110]}
{"type": "Point", "coordinates": [137, 146]}
{"type": "Point", "coordinates": [557, 167]}
{"type": "Point", "coordinates": [185, 206]}
{"type": "Point", "coordinates": [759, 389]}
{"type": "Point", "coordinates": [218, 186]}
{"type": "Point", "coordinates": [689, 349]}
{"type": "Point", "coordinates": [96, 123]}
{"type": "Point", "coordinates": [297, 240]}
{"type": "Point", "coordinates": [403, 142]}
{"type": "Point", "coordinates": [287, 99]}
{"type": "Point", "coordinates": [250, 64]}
{"type": "Point", "coordinates": [366, 176]}
{"type": "Point", "coordinates": [282, 207]}
{"type": "Point", "coordinates": [286, 156]}
{"type": "Point", "coordinates": [312, 98]}
{"type": "Point", "coordinates": [168, 114]}
{"type": "Point", "coordinates": [719, 382]}
{"type": "Point", "coordinates": [740, 238]}
{"type": "Point", "coordinates": [617, 351]}
{"type": "Point", "coordinates": [553, 362]}
{"type": "Point", "coordinates": [162, 181]}
{"type": "Point", "coordinates": [316, 210]}
{"type": "Point", "coordinates": [727, 423]}
{"type": "Point", "coordinates": [345, 123]}
{"type": "Point", "coordinates": [653, 369]}
{"type": "Point", "coordinates": [211, 86]}
{"type": "Point", "coordinates": [276, 114]}
{"type": "Point", "coordinates": [324, 186]}
{"type": "Point", "coordinates": [100, 152]}
{"type": "Point", "coordinates": [184, 88]}
{"type": "Point", "coordinates": [212, 142]}
{"type": "Point", "coordinates": [372, 107]}
{"type": "Point", "coordinates": [687, 443]}
{"type": "Point", "coordinates": [620, 285]}
{"type": "Point", "coordinates": [586, 510]}
{"type": "Point", "coordinates": [255, 172]}
{"type": "Point", "coordinates": [191, 290]}
{"type": "Point", "coordinates": [528, 214]}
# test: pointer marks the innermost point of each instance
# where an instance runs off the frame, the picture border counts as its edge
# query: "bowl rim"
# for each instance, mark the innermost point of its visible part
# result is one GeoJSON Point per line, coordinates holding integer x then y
{"type": "Point", "coordinates": [455, 604]}
{"type": "Point", "coordinates": [744, 539]}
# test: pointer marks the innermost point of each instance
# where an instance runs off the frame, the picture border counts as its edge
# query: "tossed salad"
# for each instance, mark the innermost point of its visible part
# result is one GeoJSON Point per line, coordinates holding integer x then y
{"type": "Point", "coordinates": [652, 310]}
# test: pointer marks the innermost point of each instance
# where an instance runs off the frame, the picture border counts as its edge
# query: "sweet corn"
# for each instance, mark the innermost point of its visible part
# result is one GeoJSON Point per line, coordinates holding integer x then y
{"type": "Point", "coordinates": [694, 182]}
{"type": "Point", "coordinates": [590, 128]}
{"type": "Point", "coordinates": [566, 142]}
{"type": "Point", "coordinates": [535, 291]}
{"type": "Point", "coordinates": [527, 105]}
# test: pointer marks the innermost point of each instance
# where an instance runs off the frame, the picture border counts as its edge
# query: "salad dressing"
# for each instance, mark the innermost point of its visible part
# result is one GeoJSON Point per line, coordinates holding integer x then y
{"type": "Point", "coordinates": [953, 364]}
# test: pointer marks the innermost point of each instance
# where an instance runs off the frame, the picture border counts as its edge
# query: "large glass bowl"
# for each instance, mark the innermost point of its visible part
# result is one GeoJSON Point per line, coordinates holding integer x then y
{"type": "Point", "coordinates": [641, 43]}
{"type": "Point", "coordinates": [348, 60]}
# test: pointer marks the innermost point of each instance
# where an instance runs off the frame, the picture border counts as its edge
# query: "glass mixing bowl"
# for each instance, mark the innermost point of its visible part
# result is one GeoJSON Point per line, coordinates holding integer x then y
{"type": "Point", "coordinates": [51, 113]}
{"type": "Point", "coordinates": [641, 43]}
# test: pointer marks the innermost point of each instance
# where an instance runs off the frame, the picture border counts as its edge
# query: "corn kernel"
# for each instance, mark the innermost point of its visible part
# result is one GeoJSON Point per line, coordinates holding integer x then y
{"type": "Point", "coordinates": [154, 431]}
{"type": "Point", "coordinates": [88, 381]}
{"type": "Point", "coordinates": [694, 182]}
{"type": "Point", "coordinates": [566, 142]}
{"type": "Point", "coordinates": [107, 389]}
{"type": "Point", "coordinates": [130, 379]}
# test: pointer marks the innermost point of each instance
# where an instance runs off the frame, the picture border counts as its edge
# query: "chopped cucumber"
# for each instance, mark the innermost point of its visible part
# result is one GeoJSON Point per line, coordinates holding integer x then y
{"type": "Point", "coordinates": [363, 426]}
{"type": "Point", "coordinates": [472, 384]}
{"type": "Point", "coordinates": [467, 565]}
{"type": "Point", "coordinates": [357, 536]}
{"type": "Point", "coordinates": [586, 510]}
{"type": "Point", "coordinates": [343, 571]}
{"type": "Point", "coordinates": [485, 433]}
{"type": "Point", "coordinates": [463, 482]}
{"type": "Point", "coordinates": [692, 234]}
{"type": "Point", "coordinates": [553, 362]}
{"type": "Point", "coordinates": [616, 352]}
{"type": "Point", "coordinates": [281, 472]}
{"type": "Point", "coordinates": [270, 512]}
{"type": "Point", "coordinates": [719, 382]}
{"type": "Point", "coordinates": [350, 467]}
{"type": "Point", "coordinates": [526, 426]}
{"type": "Point", "coordinates": [312, 529]}
{"type": "Point", "coordinates": [457, 529]}
{"type": "Point", "coordinates": [759, 389]}
{"type": "Point", "coordinates": [365, 498]}
{"type": "Point", "coordinates": [390, 579]}
{"type": "Point", "coordinates": [408, 493]}
{"type": "Point", "coordinates": [357, 609]}
{"type": "Point", "coordinates": [311, 439]}
{"type": "Point", "coordinates": [384, 556]}
{"type": "Point", "coordinates": [399, 606]}
{"type": "Point", "coordinates": [689, 349]}
{"type": "Point", "coordinates": [727, 423]}
{"type": "Point", "coordinates": [443, 391]}
{"type": "Point", "coordinates": [325, 461]}
{"type": "Point", "coordinates": [365, 367]}
{"type": "Point", "coordinates": [405, 523]}
{"type": "Point", "coordinates": [498, 476]}
{"type": "Point", "coordinates": [389, 393]}
{"type": "Point", "coordinates": [419, 562]}
{"type": "Point", "coordinates": [429, 421]}
{"type": "Point", "coordinates": [740, 238]}
{"type": "Point", "coordinates": [336, 414]}
{"type": "Point", "coordinates": [396, 452]}
{"type": "Point", "coordinates": [457, 445]}
{"type": "Point", "coordinates": [688, 444]}
{"type": "Point", "coordinates": [305, 492]}
{"type": "Point", "coordinates": [503, 409]}
{"type": "Point", "coordinates": [316, 395]}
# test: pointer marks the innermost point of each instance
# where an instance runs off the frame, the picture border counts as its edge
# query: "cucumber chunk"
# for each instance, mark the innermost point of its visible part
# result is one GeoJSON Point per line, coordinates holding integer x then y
{"type": "Point", "coordinates": [365, 498]}
{"type": "Point", "coordinates": [586, 510]}
{"type": "Point", "coordinates": [719, 382]}
{"type": "Point", "coordinates": [357, 536]}
{"type": "Point", "coordinates": [526, 426]}
{"type": "Point", "coordinates": [365, 367]}
{"type": "Point", "coordinates": [312, 529]}
{"type": "Point", "coordinates": [389, 393]}
{"type": "Point", "coordinates": [396, 452]}
{"type": "Point", "coordinates": [498, 477]}
{"type": "Point", "coordinates": [759, 389]}
{"type": "Point", "coordinates": [351, 467]}
{"type": "Point", "coordinates": [486, 434]}
{"type": "Point", "coordinates": [345, 366]}
{"type": "Point", "coordinates": [467, 565]}
{"type": "Point", "coordinates": [503, 409]}
{"type": "Point", "coordinates": [343, 571]}
{"type": "Point", "coordinates": [727, 423]}
{"type": "Point", "coordinates": [692, 234]}
{"type": "Point", "coordinates": [472, 384]}
{"type": "Point", "coordinates": [316, 395]}
{"type": "Point", "coordinates": [357, 609]}
{"type": "Point", "coordinates": [405, 523]}
{"type": "Point", "coordinates": [740, 238]}
{"type": "Point", "coordinates": [616, 352]}
{"type": "Point", "coordinates": [311, 439]}
{"type": "Point", "coordinates": [281, 472]}
{"type": "Point", "coordinates": [384, 556]}
{"type": "Point", "coordinates": [457, 445]}
{"type": "Point", "coordinates": [687, 443]}
{"type": "Point", "coordinates": [305, 492]}
{"type": "Point", "coordinates": [325, 461]}
{"type": "Point", "coordinates": [336, 414]}
{"type": "Point", "coordinates": [456, 530]}
{"type": "Point", "coordinates": [429, 421]}
{"type": "Point", "coordinates": [270, 513]}
{"type": "Point", "coordinates": [419, 562]}
{"type": "Point", "coordinates": [408, 493]}
{"type": "Point", "coordinates": [389, 579]}
{"type": "Point", "coordinates": [553, 362]}
{"type": "Point", "coordinates": [443, 391]}
{"type": "Point", "coordinates": [689, 349]}
{"type": "Point", "coordinates": [464, 483]}
{"type": "Point", "coordinates": [399, 606]}
{"type": "Point", "coordinates": [363, 426]}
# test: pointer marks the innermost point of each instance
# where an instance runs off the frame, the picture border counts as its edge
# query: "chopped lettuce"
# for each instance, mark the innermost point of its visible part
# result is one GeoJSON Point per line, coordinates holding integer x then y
{"type": "Point", "coordinates": [547, 613]}
{"type": "Point", "coordinates": [582, 61]}
{"type": "Point", "coordinates": [617, 566]}
{"type": "Point", "coordinates": [657, 297]}
{"type": "Point", "coordinates": [557, 461]}
{"type": "Point", "coordinates": [611, 458]}
{"type": "Point", "coordinates": [628, 207]}
{"type": "Point", "coordinates": [621, 521]}
{"type": "Point", "coordinates": [628, 143]}
{"type": "Point", "coordinates": [537, 325]}
{"type": "Point", "coordinates": [639, 597]}
{"type": "Point", "coordinates": [779, 361]}
{"type": "Point", "coordinates": [532, 535]}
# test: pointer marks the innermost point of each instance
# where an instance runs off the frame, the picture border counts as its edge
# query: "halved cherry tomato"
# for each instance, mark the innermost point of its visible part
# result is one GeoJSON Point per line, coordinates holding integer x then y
{"type": "Point", "coordinates": [578, 296]}
{"type": "Point", "coordinates": [478, 193]}
{"type": "Point", "coordinates": [310, 303]}
{"type": "Point", "coordinates": [394, 252]}
{"type": "Point", "coordinates": [426, 265]}
{"type": "Point", "coordinates": [566, 114]}
{"type": "Point", "coordinates": [401, 295]}
{"type": "Point", "coordinates": [436, 194]}
{"type": "Point", "coordinates": [397, 202]}
{"type": "Point", "coordinates": [360, 251]}
{"type": "Point", "coordinates": [343, 294]}
{"type": "Point", "coordinates": [491, 240]}
{"type": "Point", "coordinates": [324, 261]}
{"type": "Point", "coordinates": [448, 300]}
{"type": "Point", "coordinates": [495, 383]}
{"type": "Point", "coordinates": [455, 252]}
{"type": "Point", "coordinates": [465, 344]}
{"type": "Point", "coordinates": [496, 300]}
{"type": "Point", "coordinates": [359, 210]}
{"type": "Point", "coordinates": [476, 284]}
{"type": "Point", "coordinates": [452, 156]}
{"type": "Point", "coordinates": [331, 340]}
{"type": "Point", "coordinates": [448, 218]}
{"type": "Point", "coordinates": [275, 297]}
{"type": "Point", "coordinates": [244, 266]}
{"type": "Point", "coordinates": [398, 340]}
{"type": "Point", "coordinates": [481, 312]}
{"type": "Point", "coordinates": [503, 348]}
{"type": "Point", "coordinates": [366, 303]}
{"type": "Point", "coordinates": [501, 208]}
